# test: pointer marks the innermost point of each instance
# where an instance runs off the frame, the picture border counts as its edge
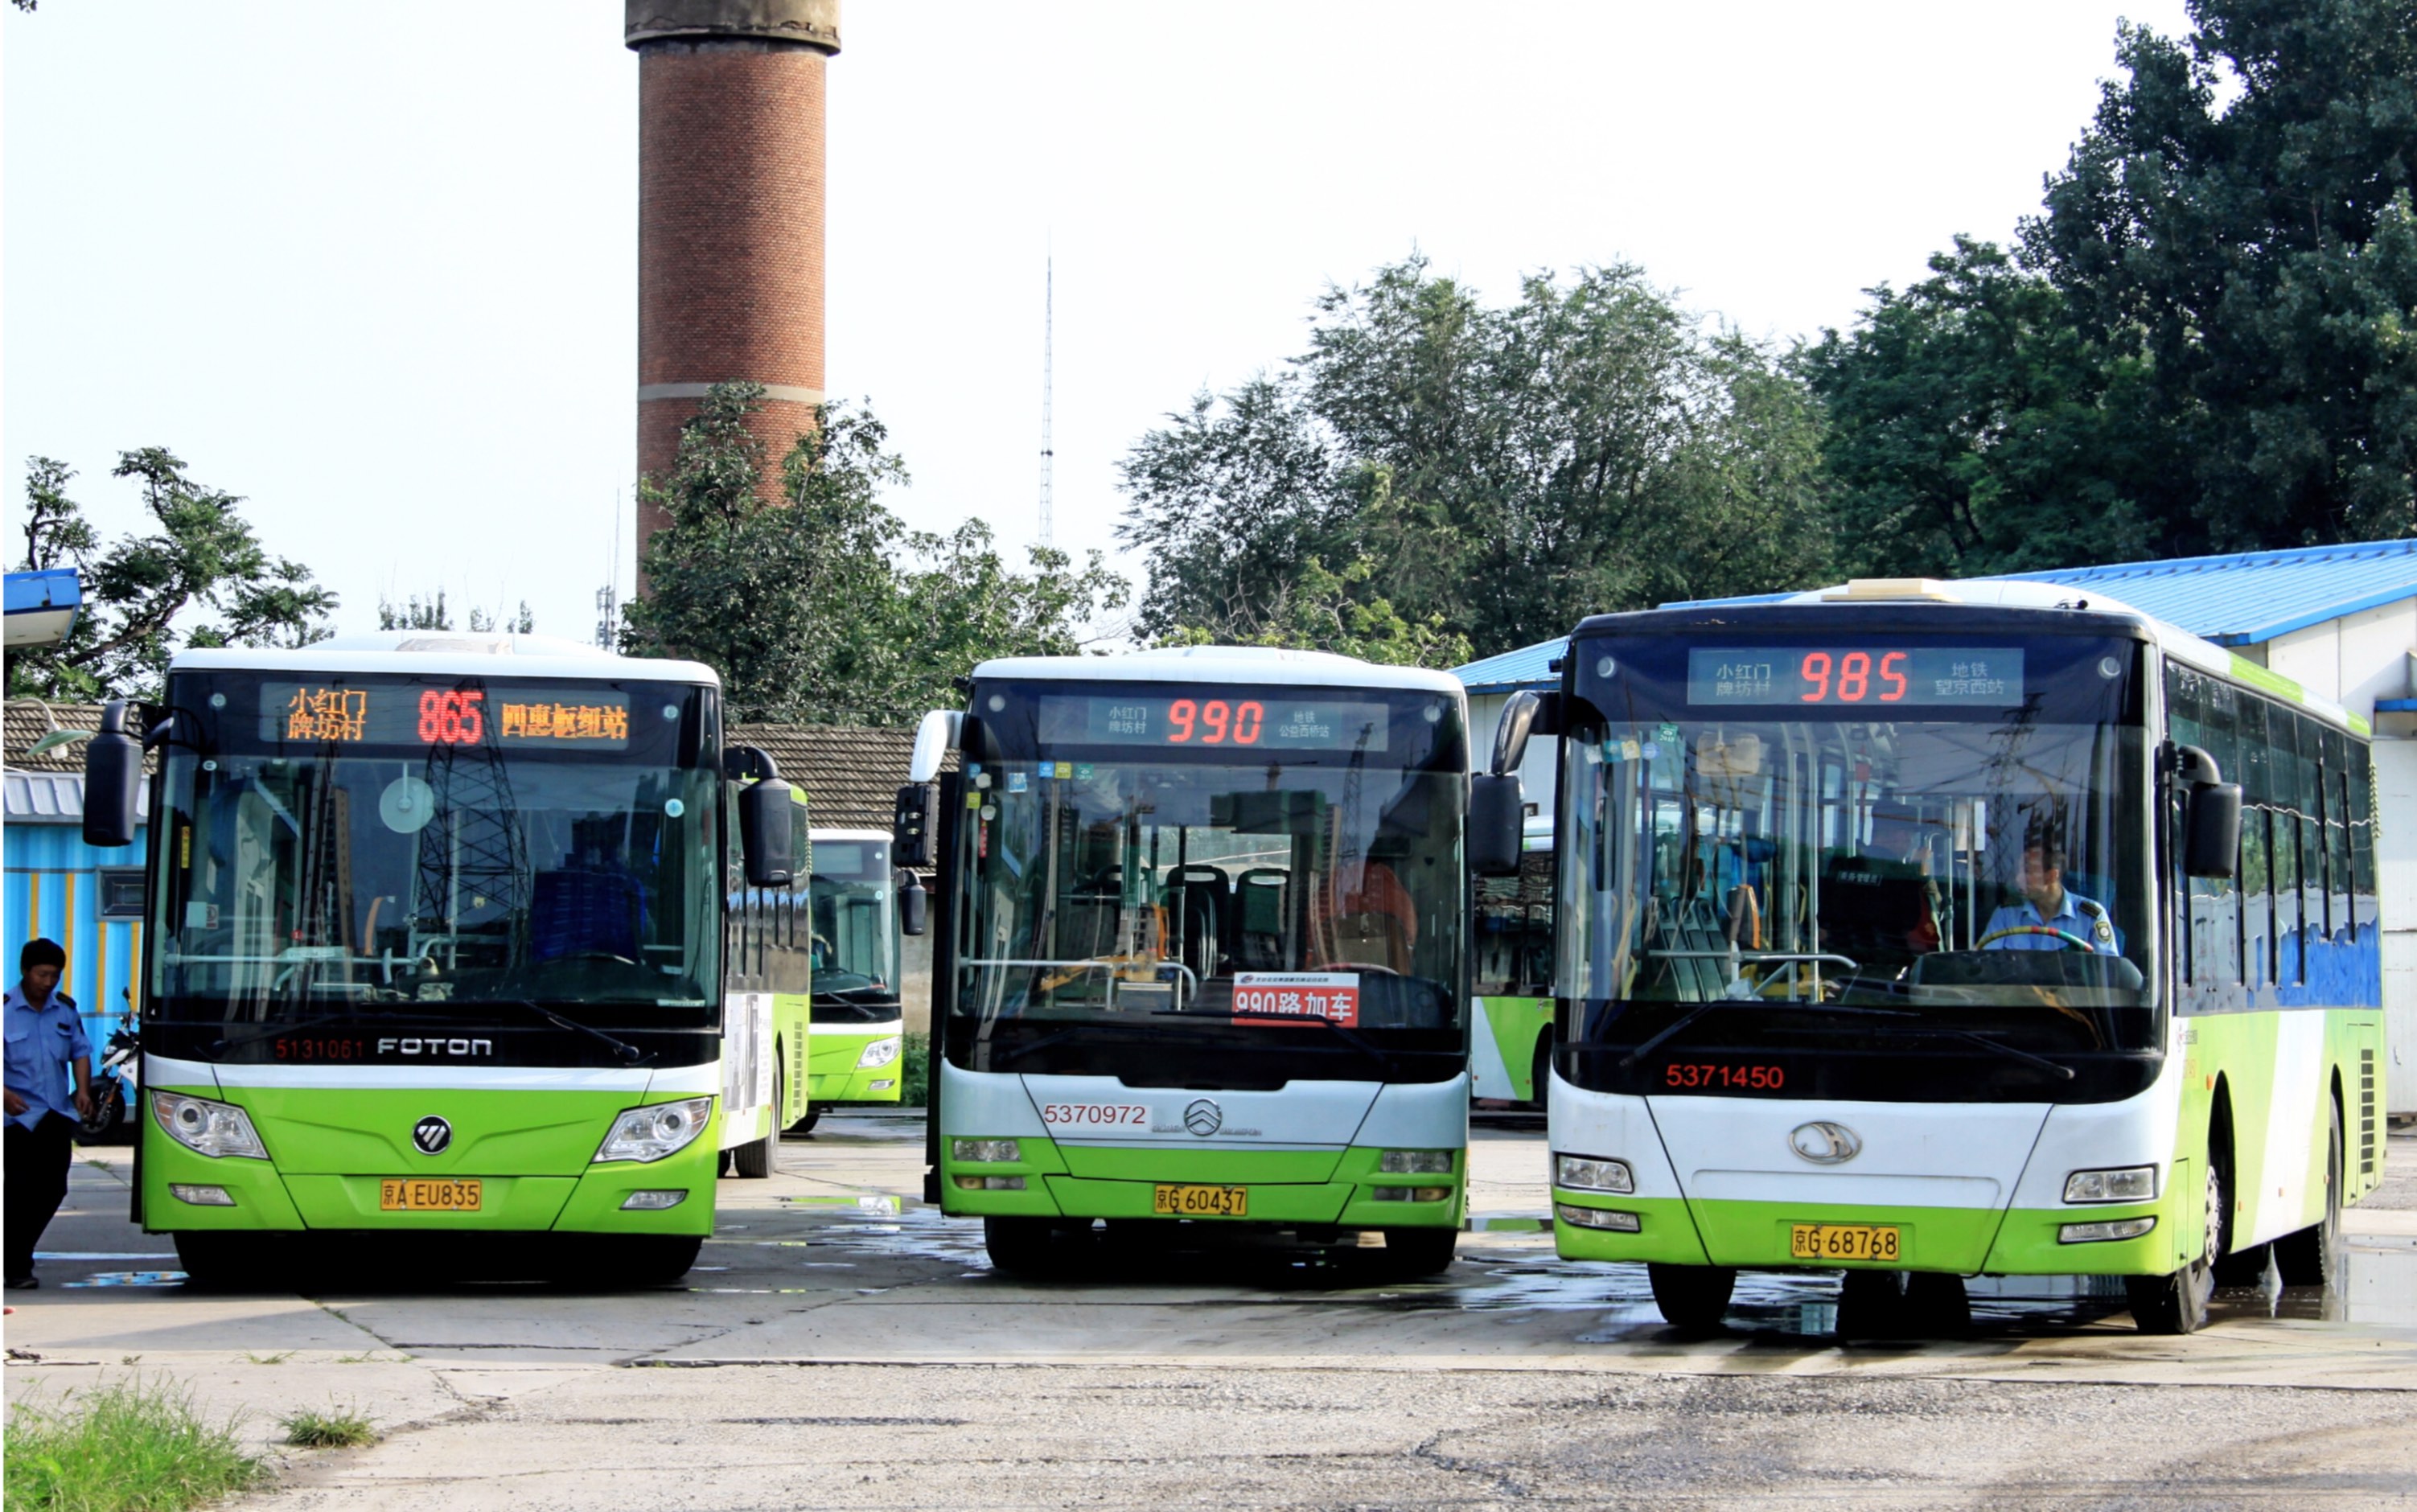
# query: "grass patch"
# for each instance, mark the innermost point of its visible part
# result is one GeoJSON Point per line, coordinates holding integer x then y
{"type": "Point", "coordinates": [915, 1071]}
{"type": "Point", "coordinates": [127, 1447]}
{"type": "Point", "coordinates": [330, 1430]}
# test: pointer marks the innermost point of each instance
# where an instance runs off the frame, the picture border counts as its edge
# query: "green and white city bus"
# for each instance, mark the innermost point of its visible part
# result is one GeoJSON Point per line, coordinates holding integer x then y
{"type": "Point", "coordinates": [1919, 931]}
{"type": "Point", "coordinates": [858, 1024]}
{"type": "Point", "coordinates": [1199, 951]}
{"type": "Point", "coordinates": [1511, 1029]}
{"type": "Point", "coordinates": [452, 933]}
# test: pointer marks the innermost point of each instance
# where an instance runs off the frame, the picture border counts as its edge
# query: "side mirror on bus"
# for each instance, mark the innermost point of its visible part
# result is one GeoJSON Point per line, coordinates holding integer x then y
{"type": "Point", "coordinates": [1525, 714]}
{"type": "Point", "coordinates": [1497, 821]}
{"type": "Point", "coordinates": [768, 837]}
{"type": "Point", "coordinates": [913, 907]}
{"type": "Point", "coordinates": [2213, 844]}
{"type": "Point", "coordinates": [113, 780]}
{"type": "Point", "coordinates": [915, 831]}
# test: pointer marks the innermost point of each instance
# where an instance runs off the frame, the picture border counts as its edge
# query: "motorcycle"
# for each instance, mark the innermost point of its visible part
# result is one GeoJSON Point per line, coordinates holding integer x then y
{"type": "Point", "coordinates": [113, 1084]}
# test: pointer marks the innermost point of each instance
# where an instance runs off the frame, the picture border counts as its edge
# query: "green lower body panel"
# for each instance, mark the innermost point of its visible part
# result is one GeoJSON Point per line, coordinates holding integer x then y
{"type": "Point", "coordinates": [1953, 1240]}
{"type": "Point", "coordinates": [1314, 1187]}
{"type": "Point", "coordinates": [532, 1154]}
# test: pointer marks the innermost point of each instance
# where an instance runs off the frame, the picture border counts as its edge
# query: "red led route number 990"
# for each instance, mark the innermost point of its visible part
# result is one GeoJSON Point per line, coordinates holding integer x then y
{"type": "Point", "coordinates": [1215, 723]}
{"type": "Point", "coordinates": [452, 719]}
{"type": "Point", "coordinates": [1853, 674]}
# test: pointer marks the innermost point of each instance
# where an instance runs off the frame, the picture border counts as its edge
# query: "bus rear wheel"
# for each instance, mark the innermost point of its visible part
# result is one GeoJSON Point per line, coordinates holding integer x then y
{"type": "Point", "coordinates": [1693, 1297]}
{"type": "Point", "coordinates": [2177, 1304]}
{"type": "Point", "coordinates": [2313, 1256]}
{"type": "Point", "coordinates": [753, 1160]}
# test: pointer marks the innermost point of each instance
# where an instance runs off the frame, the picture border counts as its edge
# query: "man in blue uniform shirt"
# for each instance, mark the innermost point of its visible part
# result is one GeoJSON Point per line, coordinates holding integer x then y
{"type": "Point", "coordinates": [45, 1046]}
{"type": "Point", "coordinates": [2049, 903]}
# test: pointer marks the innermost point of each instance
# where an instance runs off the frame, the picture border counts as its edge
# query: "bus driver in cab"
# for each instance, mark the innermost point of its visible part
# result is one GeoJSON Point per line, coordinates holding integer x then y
{"type": "Point", "coordinates": [2048, 904]}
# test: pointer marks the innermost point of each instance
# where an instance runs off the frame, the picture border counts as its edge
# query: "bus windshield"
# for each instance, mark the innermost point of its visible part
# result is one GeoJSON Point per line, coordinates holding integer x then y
{"type": "Point", "coordinates": [1968, 857]}
{"type": "Point", "coordinates": [1121, 866]}
{"type": "Point", "coordinates": [321, 861]}
{"type": "Point", "coordinates": [855, 931]}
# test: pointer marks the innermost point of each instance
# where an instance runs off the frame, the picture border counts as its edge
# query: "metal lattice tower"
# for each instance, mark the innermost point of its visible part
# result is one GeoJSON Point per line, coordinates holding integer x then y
{"type": "Point", "coordinates": [1048, 358]}
{"type": "Point", "coordinates": [471, 855]}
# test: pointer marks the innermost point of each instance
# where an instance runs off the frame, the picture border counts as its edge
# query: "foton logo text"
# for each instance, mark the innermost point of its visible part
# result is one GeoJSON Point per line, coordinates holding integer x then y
{"type": "Point", "coordinates": [436, 1047]}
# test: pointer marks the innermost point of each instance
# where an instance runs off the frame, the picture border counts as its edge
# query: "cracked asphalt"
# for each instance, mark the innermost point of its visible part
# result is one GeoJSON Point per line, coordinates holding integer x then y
{"type": "Point", "coordinates": [840, 1345]}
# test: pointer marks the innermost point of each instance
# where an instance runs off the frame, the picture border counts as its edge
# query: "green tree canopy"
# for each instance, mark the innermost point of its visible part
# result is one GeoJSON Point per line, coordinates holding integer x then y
{"type": "Point", "coordinates": [2203, 342]}
{"type": "Point", "coordinates": [1499, 471]}
{"type": "Point", "coordinates": [199, 571]}
{"type": "Point", "coordinates": [824, 609]}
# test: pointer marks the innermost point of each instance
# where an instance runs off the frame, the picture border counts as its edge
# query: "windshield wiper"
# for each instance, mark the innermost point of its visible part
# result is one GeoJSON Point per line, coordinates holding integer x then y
{"type": "Point", "coordinates": [219, 1047]}
{"type": "Point", "coordinates": [2066, 1072]}
{"type": "Point", "coordinates": [1354, 1036]}
{"type": "Point", "coordinates": [1701, 1008]}
{"type": "Point", "coordinates": [628, 1053]}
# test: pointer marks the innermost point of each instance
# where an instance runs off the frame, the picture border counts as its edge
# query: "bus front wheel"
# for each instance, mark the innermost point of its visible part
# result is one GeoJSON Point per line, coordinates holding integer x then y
{"type": "Point", "coordinates": [659, 1259]}
{"type": "Point", "coordinates": [1420, 1252]}
{"type": "Point", "coordinates": [2177, 1304]}
{"type": "Point", "coordinates": [1033, 1248]}
{"type": "Point", "coordinates": [1693, 1297]}
{"type": "Point", "coordinates": [753, 1160]}
{"type": "Point", "coordinates": [216, 1259]}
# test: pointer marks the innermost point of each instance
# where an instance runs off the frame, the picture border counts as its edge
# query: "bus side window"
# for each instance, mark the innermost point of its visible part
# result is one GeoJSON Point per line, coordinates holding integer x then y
{"type": "Point", "coordinates": [2361, 838]}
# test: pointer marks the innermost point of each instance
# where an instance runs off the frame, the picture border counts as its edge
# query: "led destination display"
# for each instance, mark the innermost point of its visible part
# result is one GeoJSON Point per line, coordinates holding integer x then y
{"type": "Point", "coordinates": [1977, 676]}
{"type": "Point", "coordinates": [392, 714]}
{"type": "Point", "coordinates": [1259, 719]}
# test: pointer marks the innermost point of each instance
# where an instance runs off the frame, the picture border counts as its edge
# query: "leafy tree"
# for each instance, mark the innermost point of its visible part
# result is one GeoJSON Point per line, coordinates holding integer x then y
{"type": "Point", "coordinates": [1973, 430]}
{"type": "Point", "coordinates": [1502, 472]}
{"type": "Point", "coordinates": [800, 606]}
{"type": "Point", "coordinates": [2201, 344]}
{"type": "Point", "coordinates": [200, 570]}
{"type": "Point", "coordinates": [415, 613]}
{"type": "Point", "coordinates": [2238, 218]}
{"type": "Point", "coordinates": [1316, 610]}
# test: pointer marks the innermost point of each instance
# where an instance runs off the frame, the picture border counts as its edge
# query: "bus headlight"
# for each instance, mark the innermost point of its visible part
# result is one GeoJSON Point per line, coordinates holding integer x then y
{"type": "Point", "coordinates": [653, 1132]}
{"type": "Point", "coordinates": [207, 1127]}
{"type": "Point", "coordinates": [2131, 1184]}
{"type": "Point", "coordinates": [880, 1053]}
{"type": "Point", "coordinates": [1586, 1174]}
{"type": "Point", "coordinates": [1415, 1163]}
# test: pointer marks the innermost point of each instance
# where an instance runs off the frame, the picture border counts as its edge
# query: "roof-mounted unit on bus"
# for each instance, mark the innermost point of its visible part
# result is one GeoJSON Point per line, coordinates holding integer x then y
{"type": "Point", "coordinates": [1867, 589]}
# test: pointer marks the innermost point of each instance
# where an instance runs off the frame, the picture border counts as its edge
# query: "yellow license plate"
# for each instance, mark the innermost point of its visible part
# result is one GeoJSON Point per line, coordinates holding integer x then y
{"type": "Point", "coordinates": [416, 1194]}
{"type": "Point", "coordinates": [1843, 1241]}
{"type": "Point", "coordinates": [1179, 1201]}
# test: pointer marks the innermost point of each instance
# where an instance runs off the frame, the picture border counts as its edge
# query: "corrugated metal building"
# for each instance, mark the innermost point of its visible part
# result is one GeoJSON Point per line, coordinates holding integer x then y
{"type": "Point", "coordinates": [89, 901]}
{"type": "Point", "coordinates": [2341, 621]}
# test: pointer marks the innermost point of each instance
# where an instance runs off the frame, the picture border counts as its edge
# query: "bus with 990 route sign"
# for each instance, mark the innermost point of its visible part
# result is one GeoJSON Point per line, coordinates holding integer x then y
{"type": "Point", "coordinates": [1200, 955]}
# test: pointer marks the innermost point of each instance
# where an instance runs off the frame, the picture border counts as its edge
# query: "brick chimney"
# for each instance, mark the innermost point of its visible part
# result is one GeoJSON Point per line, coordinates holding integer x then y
{"type": "Point", "coordinates": [730, 215]}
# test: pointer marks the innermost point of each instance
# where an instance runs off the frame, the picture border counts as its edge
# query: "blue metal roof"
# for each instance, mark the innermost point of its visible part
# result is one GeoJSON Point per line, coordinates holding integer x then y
{"type": "Point", "coordinates": [1530, 666]}
{"type": "Point", "coordinates": [2251, 596]}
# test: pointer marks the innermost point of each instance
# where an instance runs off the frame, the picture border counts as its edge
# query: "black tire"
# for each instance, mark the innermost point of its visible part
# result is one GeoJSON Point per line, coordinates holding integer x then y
{"type": "Point", "coordinates": [228, 1261]}
{"type": "Point", "coordinates": [657, 1259]}
{"type": "Point", "coordinates": [1542, 1084]}
{"type": "Point", "coordinates": [1037, 1249]}
{"type": "Point", "coordinates": [108, 1113]}
{"type": "Point", "coordinates": [1414, 1253]}
{"type": "Point", "coordinates": [806, 1125]}
{"type": "Point", "coordinates": [1902, 1305]}
{"type": "Point", "coordinates": [2177, 1304]}
{"type": "Point", "coordinates": [1693, 1297]}
{"type": "Point", "coordinates": [753, 1160]}
{"type": "Point", "coordinates": [2313, 1256]}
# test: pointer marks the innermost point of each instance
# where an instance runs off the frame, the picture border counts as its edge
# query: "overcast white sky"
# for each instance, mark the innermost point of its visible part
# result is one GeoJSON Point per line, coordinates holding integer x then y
{"type": "Point", "coordinates": [374, 266]}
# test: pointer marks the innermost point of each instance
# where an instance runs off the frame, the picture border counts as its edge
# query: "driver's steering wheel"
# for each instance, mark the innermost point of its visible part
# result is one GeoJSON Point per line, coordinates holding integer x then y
{"type": "Point", "coordinates": [2063, 937]}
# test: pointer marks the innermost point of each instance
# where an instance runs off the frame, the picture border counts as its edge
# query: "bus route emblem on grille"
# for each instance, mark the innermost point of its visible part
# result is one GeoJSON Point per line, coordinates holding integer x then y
{"type": "Point", "coordinates": [1203, 1117]}
{"type": "Point", "coordinates": [1825, 1143]}
{"type": "Point", "coordinates": [432, 1134]}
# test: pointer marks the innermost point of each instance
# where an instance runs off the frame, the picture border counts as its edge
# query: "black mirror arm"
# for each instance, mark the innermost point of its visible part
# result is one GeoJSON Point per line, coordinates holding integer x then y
{"type": "Point", "coordinates": [742, 763]}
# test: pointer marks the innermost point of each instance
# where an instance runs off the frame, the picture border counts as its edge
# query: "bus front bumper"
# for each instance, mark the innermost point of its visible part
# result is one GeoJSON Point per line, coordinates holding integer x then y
{"type": "Point", "coordinates": [1285, 1188]}
{"type": "Point", "coordinates": [1956, 1241]}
